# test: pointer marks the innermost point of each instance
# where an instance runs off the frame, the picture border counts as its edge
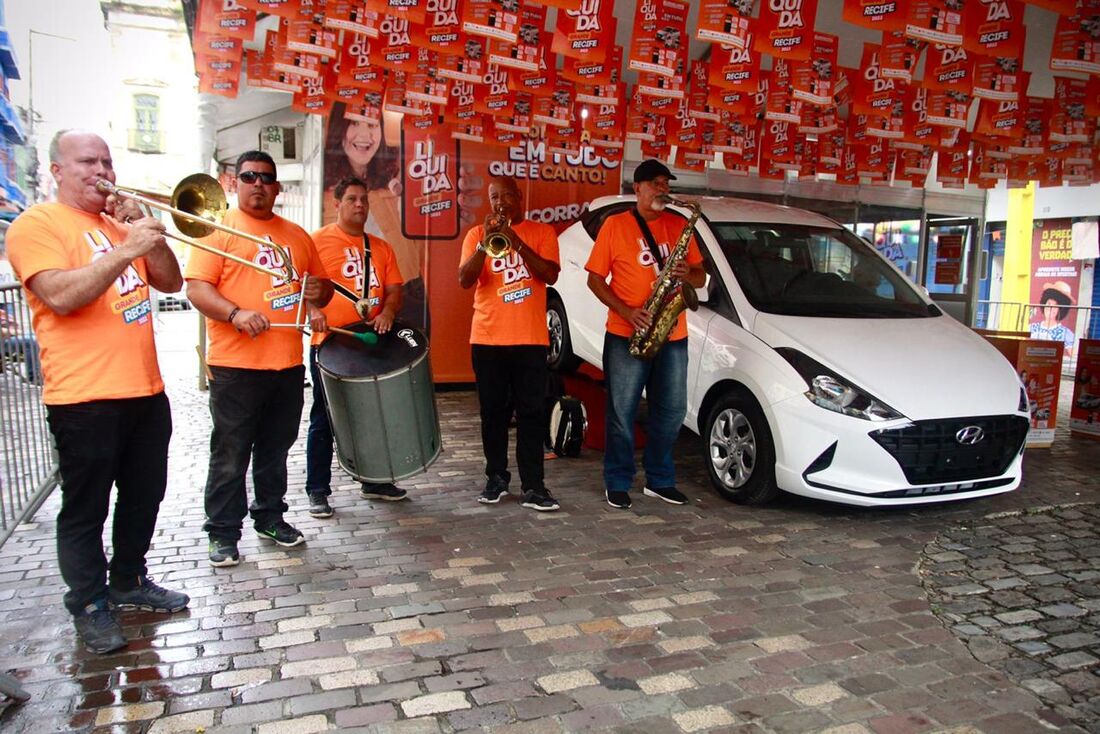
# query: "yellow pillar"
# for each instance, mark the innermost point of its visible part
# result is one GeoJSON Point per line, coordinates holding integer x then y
{"type": "Point", "coordinates": [1017, 265]}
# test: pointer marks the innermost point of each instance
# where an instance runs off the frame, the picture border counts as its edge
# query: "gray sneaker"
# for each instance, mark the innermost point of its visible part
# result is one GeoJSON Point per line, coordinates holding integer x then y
{"type": "Point", "coordinates": [98, 627]}
{"type": "Point", "coordinates": [149, 597]}
{"type": "Point", "coordinates": [319, 506]}
{"type": "Point", "coordinates": [387, 492]}
{"type": "Point", "coordinates": [223, 553]}
{"type": "Point", "coordinates": [495, 488]}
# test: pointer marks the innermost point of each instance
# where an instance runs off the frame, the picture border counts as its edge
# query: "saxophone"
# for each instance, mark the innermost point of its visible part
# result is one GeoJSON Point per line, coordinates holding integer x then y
{"type": "Point", "coordinates": [669, 295]}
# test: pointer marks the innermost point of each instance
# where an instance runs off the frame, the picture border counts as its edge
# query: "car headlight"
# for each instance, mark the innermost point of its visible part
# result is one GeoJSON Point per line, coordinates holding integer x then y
{"type": "Point", "coordinates": [829, 390]}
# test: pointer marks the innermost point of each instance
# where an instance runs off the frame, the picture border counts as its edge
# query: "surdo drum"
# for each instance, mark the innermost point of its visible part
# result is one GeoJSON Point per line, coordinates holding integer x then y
{"type": "Point", "coordinates": [381, 403]}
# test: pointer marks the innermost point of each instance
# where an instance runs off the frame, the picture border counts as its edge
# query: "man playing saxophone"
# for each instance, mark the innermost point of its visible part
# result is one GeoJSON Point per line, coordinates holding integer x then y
{"type": "Point", "coordinates": [625, 251]}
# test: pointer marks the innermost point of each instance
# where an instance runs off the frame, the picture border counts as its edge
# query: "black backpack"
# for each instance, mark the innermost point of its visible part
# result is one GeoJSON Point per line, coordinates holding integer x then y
{"type": "Point", "coordinates": [568, 422]}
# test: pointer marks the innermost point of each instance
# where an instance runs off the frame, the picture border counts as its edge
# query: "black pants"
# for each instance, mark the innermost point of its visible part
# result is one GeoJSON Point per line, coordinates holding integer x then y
{"type": "Point", "coordinates": [256, 415]}
{"type": "Point", "coordinates": [100, 444]}
{"type": "Point", "coordinates": [507, 377]}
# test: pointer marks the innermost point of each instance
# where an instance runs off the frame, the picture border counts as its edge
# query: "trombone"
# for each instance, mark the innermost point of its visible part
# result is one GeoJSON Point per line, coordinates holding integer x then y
{"type": "Point", "coordinates": [197, 205]}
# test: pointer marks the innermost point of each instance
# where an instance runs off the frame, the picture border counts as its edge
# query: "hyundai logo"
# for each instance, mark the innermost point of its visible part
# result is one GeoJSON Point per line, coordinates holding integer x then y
{"type": "Point", "coordinates": [970, 435]}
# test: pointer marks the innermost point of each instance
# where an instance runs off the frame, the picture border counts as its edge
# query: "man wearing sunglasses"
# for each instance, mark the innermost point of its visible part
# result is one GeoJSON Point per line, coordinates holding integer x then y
{"type": "Point", "coordinates": [256, 372]}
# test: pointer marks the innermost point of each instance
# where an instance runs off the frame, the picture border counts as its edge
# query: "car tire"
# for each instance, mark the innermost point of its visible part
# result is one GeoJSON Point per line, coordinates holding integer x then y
{"type": "Point", "coordinates": [559, 356]}
{"type": "Point", "coordinates": [738, 449]}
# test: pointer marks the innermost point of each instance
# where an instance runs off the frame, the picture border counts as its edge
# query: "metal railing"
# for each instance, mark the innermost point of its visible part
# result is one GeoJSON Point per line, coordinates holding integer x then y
{"type": "Point", "coordinates": [28, 461]}
{"type": "Point", "coordinates": [1083, 321]}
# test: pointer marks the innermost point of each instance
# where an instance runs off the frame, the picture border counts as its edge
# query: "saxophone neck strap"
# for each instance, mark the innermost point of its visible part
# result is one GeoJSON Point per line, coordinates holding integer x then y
{"type": "Point", "coordinates": [648, 235]}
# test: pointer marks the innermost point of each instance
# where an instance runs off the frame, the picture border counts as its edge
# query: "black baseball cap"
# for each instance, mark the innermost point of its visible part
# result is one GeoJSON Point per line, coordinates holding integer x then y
{"type": "Point", "coordinates": [650, 169]}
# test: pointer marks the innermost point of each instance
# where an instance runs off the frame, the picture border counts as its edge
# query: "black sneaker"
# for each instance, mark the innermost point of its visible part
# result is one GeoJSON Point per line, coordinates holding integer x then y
{"type": "Point", "coordinates": [620, 500]}
{"type": "Point", "coordinates": [495, 488]}
{"type": "Point", "coordinates": [99, 628]}
{"type": "Point", "coordinates": [223, 553]}
{"type": "Point", "coordinates": [540, 500]}
{"type": "Point", "coordinates": [670, 495]}
{"type": "Point", "coordinates": [283, 533]}
{"type": "Point", "coordinates": [319, 506]}
{"type": "Point", "coordinates": [386, 492]}
{"type": "Point", "coordinates": [149, 597]}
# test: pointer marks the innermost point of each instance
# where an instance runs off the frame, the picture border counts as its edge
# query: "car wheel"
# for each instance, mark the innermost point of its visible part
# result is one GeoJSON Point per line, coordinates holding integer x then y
{"type": "Point", "coordinates": [739, 452]}
{"type": "Point", "coordinates": [559, 356]}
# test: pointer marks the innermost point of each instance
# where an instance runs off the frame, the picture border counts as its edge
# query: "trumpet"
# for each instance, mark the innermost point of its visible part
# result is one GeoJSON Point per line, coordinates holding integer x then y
{"type": "Point", "coordinates": [496, 243]}
{"type": "Point", "coordinates": [197, 205]}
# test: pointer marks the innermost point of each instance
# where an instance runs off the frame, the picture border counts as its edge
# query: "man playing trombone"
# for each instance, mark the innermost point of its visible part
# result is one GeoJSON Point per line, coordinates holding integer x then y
{"type": "Point", "coordinates": [87, 277]}
{"type": "Point", "coordinates": [256, 372]}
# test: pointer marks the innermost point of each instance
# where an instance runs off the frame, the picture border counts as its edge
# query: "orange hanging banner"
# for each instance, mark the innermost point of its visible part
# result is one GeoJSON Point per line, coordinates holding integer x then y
{"type": "Point", "coordinates": [785, 29]}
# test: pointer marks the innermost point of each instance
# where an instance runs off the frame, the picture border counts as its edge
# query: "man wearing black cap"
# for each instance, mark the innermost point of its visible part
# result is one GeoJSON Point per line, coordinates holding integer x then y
{"type": "Point", "coordinates": [631, 248]}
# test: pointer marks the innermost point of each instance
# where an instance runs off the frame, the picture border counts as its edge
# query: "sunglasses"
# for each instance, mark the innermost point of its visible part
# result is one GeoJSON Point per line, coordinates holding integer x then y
{"type": "Point", "coordinates": [251, 177]}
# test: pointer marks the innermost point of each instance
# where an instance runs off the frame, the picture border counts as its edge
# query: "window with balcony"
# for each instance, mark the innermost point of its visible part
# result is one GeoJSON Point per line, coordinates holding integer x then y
{"type": "Point", "coordinates": [145, 135]}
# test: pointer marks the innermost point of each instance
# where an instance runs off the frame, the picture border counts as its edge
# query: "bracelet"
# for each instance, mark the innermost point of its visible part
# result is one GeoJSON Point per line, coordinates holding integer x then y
{"type": "Point", "coordinates": [234, 312]}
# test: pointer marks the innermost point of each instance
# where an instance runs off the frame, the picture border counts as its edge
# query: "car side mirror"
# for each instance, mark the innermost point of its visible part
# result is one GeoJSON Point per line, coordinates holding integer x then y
{"type": "Point", "coordinates": [704, 291]}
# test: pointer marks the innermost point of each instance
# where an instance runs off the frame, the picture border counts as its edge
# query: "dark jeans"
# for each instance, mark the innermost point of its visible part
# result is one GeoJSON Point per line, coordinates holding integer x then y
{"type": "Point", "coordinates": [99, 444]}
{"type": "Point", "coordinates": [507, 377]}
{"type": "Point", "coordinates": [256, 414]}
{"type": "Point", "coordinates": [319, 437]}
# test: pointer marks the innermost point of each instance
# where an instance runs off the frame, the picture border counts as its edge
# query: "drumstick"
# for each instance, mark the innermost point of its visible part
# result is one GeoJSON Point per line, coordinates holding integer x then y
{"type": "Point", "coordinates": [367, 337]}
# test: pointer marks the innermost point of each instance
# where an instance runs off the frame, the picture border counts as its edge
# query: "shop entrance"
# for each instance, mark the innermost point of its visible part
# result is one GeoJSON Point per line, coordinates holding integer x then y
{"type": "Point", "coordinates": [946, 266]}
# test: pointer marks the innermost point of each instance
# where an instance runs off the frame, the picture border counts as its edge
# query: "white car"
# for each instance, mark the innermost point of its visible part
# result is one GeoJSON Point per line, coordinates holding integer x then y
{"type": "Point", "coordinates": [815, 366]}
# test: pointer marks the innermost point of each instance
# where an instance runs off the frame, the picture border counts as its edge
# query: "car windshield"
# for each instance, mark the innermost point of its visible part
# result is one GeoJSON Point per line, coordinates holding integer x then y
{"type": "Point", "coordinates": [801, 270]}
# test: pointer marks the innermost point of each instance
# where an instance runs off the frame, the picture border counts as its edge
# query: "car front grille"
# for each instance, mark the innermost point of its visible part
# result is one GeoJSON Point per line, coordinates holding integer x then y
{"type": "Point", "coordinates": [930, 452]}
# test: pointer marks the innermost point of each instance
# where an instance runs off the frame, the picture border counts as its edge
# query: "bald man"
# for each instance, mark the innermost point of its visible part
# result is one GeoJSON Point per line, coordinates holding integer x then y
{"type": "Point", "coordinates": [87, 274]}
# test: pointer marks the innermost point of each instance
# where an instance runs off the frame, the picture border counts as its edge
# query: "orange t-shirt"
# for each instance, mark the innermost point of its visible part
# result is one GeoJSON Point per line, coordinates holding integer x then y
{"type": "Point", "coordinates": [276, 348]}
{"type": "Point", "coordinates": [509, 302]}
{"type": "Point", "coordinates": [105, 350]}
{"type": "Point", "coordinates": [342, 256]}
{"type": "Point", "coordinates": [622, 252]}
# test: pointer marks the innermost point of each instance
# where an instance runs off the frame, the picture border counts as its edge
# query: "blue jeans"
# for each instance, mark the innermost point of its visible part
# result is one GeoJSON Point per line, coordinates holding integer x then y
{"type": "Point", "coordinates": [665, 380]}
{"type": "Point", "coordinates": [319, 436]}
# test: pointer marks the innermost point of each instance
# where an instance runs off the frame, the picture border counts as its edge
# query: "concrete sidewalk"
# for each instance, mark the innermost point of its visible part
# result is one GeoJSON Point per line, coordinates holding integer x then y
{"type": "Point", "coordinates": [439, 614]}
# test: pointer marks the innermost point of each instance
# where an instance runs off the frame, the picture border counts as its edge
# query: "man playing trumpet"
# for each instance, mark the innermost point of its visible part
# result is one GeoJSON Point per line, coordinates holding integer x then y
{"type": "Point", "coordinates": [256, 372]}
{"type": "Point", "coordinates": [508, 338]}
{"type": "Point", "coordinates": [87, 277]}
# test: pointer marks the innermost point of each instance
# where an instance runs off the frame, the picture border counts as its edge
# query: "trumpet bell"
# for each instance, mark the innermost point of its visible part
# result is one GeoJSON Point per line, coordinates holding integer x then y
{"type": "Point", "coordinates": [201, 196]}
{"type": "Point", "coordinates": [496, 244]}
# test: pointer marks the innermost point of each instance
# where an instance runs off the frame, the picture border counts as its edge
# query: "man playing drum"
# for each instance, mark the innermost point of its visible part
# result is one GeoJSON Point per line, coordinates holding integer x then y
{"type": "Point", "coordinates": [377, 298]}
{"type": "Point", "coordinates": [508, 339]}
{"type": "Point", "coordinates": [256, 372]}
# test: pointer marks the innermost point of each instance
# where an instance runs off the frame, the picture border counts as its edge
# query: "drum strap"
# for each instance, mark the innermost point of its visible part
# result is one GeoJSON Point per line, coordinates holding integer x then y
{"type": "Point", "coordinates": [348, 293]}
{"type": "Point", "coordinates": [366, 265]}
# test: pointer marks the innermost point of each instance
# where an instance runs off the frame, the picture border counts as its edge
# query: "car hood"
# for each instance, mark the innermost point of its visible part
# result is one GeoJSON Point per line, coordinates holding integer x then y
{"type": "Point", "coordinates": [923, 368]}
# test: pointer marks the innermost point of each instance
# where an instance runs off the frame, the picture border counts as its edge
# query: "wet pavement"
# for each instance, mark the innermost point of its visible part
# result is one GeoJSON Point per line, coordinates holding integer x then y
{"type": "Point", "coordinates": [439, 614]}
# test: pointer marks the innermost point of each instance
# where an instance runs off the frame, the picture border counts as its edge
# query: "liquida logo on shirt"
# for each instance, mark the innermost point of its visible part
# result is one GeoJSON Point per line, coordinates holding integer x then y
{"type": "Point", "coordinates": [645, 255]}
{"type": "Point", "coordinates": [133, 297]}
{"type": "Point", "coordinates": [514, 272]}
{"type": "Point", "coordinates": [282, 296]}
{"type": "Point", "coordinates": [352, 271]}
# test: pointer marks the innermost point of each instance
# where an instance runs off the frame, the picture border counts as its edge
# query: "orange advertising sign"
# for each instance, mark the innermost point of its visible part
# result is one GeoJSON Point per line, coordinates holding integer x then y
{"type": "Point", "coordinates": [785, 29]}
{"type": "Point", "coordinates": [1084, 414]}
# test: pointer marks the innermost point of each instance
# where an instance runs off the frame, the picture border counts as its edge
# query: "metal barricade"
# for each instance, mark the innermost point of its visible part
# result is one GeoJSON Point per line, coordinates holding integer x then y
{"type": "Point", "coordinates": [1008, 316]}
{"type": "Point", "coordinates": [28, 461]}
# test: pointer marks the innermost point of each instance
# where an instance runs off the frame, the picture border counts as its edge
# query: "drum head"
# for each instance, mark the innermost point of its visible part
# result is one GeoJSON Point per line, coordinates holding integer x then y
{"type": "Point", "coordinates": [346, 356]}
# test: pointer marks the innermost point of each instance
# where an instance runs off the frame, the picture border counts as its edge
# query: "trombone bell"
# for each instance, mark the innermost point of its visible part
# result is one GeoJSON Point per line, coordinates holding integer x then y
{"type": "Point", "coordinates": [201, 196]}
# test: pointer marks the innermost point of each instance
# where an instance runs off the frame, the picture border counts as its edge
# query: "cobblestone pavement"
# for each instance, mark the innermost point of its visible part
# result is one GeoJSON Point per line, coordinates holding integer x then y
{"type": "Point", "coordinates": [1023, 592]}
{"type": "Point", "coordinates": [439, 614]}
